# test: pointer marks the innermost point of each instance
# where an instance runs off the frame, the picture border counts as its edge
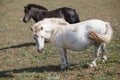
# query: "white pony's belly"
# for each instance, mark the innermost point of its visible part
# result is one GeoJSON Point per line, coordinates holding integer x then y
{"type": "Point", "coordinates": [78, 45]}
{"type": "Point", "coordinates": [74, 40]}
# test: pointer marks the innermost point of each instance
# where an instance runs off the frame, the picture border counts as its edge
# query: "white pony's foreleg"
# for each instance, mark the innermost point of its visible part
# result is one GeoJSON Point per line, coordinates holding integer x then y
{"type": "Point", "coordinates": [63, 55]}
{"type": "Point", "coordinates": [97, 49]}
{"type": "Point", "coordinates": [104, 52]}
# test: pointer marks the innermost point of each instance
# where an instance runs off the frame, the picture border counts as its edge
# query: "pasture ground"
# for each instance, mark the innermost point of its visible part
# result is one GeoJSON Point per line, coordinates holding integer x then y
{"type": "Point", "coordinates": [19, 59]}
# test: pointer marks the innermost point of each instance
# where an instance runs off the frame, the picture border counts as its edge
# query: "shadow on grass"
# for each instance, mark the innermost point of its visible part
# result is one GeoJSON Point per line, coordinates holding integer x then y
{"type": "Point", "coordinates": [51, 68]}
{"type": "Point", "coordinates": [19, 46]}
{"type": "Point", "coordinates": [10, 73]}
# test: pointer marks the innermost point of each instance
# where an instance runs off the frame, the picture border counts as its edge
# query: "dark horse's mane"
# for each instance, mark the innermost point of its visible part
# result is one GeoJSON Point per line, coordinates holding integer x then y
{"type": "Point", "coordinates": [36, 6]}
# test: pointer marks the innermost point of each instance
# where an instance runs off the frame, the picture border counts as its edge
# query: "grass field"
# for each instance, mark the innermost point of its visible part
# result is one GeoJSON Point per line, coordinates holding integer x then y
{"type": "Point", "coordinates": [19, 59]}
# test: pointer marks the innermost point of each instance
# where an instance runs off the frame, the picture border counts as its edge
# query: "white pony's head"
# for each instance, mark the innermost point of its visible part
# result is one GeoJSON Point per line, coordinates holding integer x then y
{"type": "Point", "coordinates": [43, 30]}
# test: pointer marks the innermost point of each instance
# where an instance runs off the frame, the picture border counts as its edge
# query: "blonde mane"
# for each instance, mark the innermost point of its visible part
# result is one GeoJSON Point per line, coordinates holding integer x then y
{"type": "Point", "coordinates": [59, 21]}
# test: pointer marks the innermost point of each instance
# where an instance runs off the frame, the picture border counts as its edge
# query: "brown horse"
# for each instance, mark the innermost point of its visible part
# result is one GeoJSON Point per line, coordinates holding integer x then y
{"type": "Point", "coordinates": [37, 13]}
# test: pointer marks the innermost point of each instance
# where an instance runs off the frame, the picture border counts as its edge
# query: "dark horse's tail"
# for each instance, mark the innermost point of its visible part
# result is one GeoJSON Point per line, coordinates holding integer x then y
{"type": "Point", "coordinates": [70, 15]}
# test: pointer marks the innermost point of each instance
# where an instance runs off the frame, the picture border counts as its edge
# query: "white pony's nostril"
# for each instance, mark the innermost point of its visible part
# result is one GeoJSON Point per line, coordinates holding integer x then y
{"type": "Point", "coordinates": [38, 50]}
{"type": "Point", "coordinates": [41, 50]}
{"type": "Point", "coordinates": [31, 29]}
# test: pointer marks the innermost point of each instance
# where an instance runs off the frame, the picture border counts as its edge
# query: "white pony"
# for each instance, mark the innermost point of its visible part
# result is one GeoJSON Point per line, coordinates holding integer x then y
{"type": "Point", "coordinates": [77, 37]}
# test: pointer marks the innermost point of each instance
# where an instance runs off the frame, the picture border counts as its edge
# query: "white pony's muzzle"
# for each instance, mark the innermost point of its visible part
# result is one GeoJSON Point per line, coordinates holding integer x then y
{"type": "Point", "coordinates": [40, 43]}
{"type": "Point", "coordinates": [41, 50]}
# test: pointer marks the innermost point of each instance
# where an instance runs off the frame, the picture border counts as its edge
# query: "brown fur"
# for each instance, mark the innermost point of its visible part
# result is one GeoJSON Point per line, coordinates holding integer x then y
{"type": "Point", "coordinates": [96, 37]}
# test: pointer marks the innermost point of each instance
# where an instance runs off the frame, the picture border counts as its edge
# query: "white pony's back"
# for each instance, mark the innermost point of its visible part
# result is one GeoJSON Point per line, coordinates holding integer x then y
{"type": "Point", "coordinates": [94, 24]}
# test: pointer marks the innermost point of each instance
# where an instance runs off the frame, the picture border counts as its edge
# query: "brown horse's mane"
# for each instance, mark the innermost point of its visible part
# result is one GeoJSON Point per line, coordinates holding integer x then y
{"type": "Point", "coordinates": [36, 6]}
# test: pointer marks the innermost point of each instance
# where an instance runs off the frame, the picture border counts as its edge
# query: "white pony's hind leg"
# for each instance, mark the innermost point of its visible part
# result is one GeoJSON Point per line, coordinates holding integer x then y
{"type": "Point", "coordinates": [104, 52]}
{"type": "Point", "coordinates": [97, 49]}
{"type": "Point", "coordinates": [63, 55]}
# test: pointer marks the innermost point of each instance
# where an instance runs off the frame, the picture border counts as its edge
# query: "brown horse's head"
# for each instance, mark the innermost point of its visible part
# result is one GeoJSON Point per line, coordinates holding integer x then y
{"type": "Point", "coordinates": [31, 10]}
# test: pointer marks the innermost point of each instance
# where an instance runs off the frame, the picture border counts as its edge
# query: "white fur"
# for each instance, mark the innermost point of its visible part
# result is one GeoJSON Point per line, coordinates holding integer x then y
{"type": "Point", "coordinates": [73, 36]}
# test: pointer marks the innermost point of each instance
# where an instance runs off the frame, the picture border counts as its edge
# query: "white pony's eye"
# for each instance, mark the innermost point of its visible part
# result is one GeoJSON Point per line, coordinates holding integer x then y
{"type": "Point", "coordinates": [41, 28]}
{"type": "Point", "coordinates": [42, 37]}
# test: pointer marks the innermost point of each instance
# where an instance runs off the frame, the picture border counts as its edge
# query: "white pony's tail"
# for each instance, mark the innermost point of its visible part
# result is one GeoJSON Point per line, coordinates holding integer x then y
{"type": "Point", "coordinates": [102, 38]}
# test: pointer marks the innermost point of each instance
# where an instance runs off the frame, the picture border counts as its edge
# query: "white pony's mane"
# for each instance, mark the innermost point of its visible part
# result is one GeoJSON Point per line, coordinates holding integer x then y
{"type": "Point", "coordinates": [59, 21]}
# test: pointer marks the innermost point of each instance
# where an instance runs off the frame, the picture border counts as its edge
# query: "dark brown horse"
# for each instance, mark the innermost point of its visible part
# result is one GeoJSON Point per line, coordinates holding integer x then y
{"type": "Point", "coordinates": [37, 13]}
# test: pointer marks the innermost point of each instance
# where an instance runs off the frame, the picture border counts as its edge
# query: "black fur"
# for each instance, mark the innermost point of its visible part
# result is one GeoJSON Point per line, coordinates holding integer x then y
{"type": "Point", "coordinates": [38, 13]}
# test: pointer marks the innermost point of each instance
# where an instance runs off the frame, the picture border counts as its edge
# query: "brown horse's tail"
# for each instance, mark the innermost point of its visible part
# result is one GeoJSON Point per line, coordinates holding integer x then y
{"type": "Point", "coordinates": [99, 38]}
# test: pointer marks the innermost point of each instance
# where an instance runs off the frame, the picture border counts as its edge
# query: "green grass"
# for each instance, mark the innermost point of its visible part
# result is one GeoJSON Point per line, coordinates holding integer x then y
{"type": "Point", "coordinates": [19, 59]}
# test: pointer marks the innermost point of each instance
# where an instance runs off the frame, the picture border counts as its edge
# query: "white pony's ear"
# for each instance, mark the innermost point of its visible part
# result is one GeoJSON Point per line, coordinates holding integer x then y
{"type": "Point", "coordinates": [32, 28]}
{"type": "Point", "coordinates": [35, 27]}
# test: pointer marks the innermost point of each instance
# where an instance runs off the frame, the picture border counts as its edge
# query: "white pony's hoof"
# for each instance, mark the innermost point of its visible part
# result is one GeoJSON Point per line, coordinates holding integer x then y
{"type": "Point", "coordinates": [104, 59]}
{"type": "Point", "coordinates": [92, 65]}
{"type": "Point", "coordinates": [64, 66]}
